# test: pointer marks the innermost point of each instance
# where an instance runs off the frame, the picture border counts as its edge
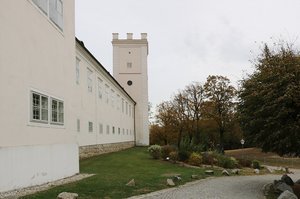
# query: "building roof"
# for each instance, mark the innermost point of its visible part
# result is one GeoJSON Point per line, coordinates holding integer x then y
{"type": "Point", "coordinates": [102, 67]}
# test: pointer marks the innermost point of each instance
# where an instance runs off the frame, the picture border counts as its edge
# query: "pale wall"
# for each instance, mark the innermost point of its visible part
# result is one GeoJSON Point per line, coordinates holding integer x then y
{"type": "Point", "coordinates": [34, 54]}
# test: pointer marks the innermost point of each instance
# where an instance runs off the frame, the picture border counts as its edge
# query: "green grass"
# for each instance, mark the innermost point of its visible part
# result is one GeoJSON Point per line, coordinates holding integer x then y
{"type": "Point", "coordinates": [114, 170]}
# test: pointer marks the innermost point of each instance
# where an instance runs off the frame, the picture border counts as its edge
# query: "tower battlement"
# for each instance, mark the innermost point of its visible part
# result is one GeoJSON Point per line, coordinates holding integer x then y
{"type": "Point", "coordinates": [129, 36]}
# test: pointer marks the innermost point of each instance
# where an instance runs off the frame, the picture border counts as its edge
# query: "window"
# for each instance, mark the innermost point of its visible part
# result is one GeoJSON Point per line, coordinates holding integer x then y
{"type": "Point", "coordinates": [107, 129]}
{"type": "Point", "coordinates": [127, 131]}
{"type": "Point", "coordinates": [78, 125]}
{"type": "Point", "coordinates": [90, 80]}
{"type": "Point", "coordinates": [119, 131]}
{"type": "Point", "coordinates": [123, 130]}
{"type": "Point", "coordinates": [112, 98]}
{"type": "Point", "coordinates": [122, 105]}
{"type": "Point", "coordinates": [90, 127]}
{"type": "Point", "coordinates": [126, 108]}
{"type": "Point", "coordinates": [100, 129]}
{"type": "Point", "coordinates": [106, 93]}
{"type": "Point", "coordinates": [113, 130]}
{"type": "Point", "coordinates": [39, 107]}
{"type": "Point", "coordinates": [129, 110]}
{"type": "Point", "coordinates": [53, 9]}
{"type": "Point", "coordinates": [118, 102]}
{"type": "Point", "coordinates": [77, 70]}
{"type": "Point", "coordinates": [129, 65]}
{"type": "Point", "coordinates": [57, 111]}
{"type": "Point", "coordinates": [100, 88]}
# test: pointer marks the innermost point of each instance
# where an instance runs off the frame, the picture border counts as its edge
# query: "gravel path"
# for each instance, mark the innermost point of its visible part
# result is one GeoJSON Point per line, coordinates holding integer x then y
{"type": "Point", "coordinates": [234, 187]}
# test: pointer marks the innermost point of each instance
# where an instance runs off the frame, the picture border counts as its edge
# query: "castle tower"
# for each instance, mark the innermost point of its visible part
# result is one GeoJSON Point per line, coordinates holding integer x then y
{"type": "Point", "coordinates": [130, 70]}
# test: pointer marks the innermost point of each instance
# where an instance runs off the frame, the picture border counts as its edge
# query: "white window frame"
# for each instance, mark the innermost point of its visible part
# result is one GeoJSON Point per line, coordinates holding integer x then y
{"type": "Point", "coordinates": [126, 108]}
{"type": "Point", "coordinates": [59, 112]}
{"type": "Point", "coordinates": [107, 93]}
{"type": "Point", "coordinates": [90, 126]}
{"type": "Point", "coordinates": [90, 80]}
{"type": "Point", "coordinates": [100, 91]}
{"type": "Point", "coordinates": [107, 129]}
{"type": "Point", "coordinates": [39, 107]}
{"type": "Point", "coordinates": [100, 128]}
{"type": "Point", "coordinates": [122, 105]}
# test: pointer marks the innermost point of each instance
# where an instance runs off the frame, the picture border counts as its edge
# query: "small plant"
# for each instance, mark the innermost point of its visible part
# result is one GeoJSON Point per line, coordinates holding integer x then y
{"type": "Point", "coordinates": [183, 155]}
{"type": "Point", "coordinates": [209, 158]}
{"type": "Point", "coordinates": [166, 150]}
{"type": "Point", "coordinates": [173, 156]}
{"type": "Point", "coordinates": [256, 164]}
{"type": "Point", "coordinates": [244, 162]}
{"type": "Point", "coordinates": [155, 151]}
{"type": "Point", "coordinates": [195, 159]}
{"type": "Point", "coordinates": [227, 162]}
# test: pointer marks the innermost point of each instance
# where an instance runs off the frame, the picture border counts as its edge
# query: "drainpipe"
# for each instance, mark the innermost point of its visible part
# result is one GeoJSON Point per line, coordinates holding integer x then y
{"type": "Point", "coordinates": [134, 128]}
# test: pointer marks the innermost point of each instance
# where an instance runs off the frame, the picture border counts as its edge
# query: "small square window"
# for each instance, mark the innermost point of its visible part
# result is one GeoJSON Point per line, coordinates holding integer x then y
{"type": "Point", "coordinates": [90, 127]}
{"type": "Point", "coordinates": [129, 65]}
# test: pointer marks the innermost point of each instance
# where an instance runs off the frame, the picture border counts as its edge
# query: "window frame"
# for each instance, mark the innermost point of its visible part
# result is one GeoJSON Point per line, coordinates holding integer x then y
{"type": "Point", "coordinates": [40, 107]}
{"type": "Point", "coordinates": [58, 112]}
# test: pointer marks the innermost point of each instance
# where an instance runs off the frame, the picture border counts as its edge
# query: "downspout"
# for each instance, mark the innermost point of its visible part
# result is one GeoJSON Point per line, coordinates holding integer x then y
{"type": "Point", "coordinates": [134, 128]}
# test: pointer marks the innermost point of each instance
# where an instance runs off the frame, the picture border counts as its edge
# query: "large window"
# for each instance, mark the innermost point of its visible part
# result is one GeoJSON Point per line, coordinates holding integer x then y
{"type": "Point", "coordinates": [40, 106]}
{"type": "Point", "coordinates": [53, 9]}
{"type": "Point", "coordinates": [100, 88]}
{"type": "Point", "coordinates": [90, 127]}
{"type": "Point", "coordinates": [57, 115]}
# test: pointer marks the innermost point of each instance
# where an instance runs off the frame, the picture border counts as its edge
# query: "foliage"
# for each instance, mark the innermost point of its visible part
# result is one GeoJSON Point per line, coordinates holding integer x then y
{"type": "Point", "coordinates": [195, 159]}
{"type": "Point", "coordinates": [183, 155]}
{"type": "Point", "coordinates": [256, 164]}
{"type": "Point", "coordinates": [209, 158]}
{"type": "Point", "coordinates": [173, 156]}
{"type": "Point", "coordinates": [112, 171]}
{"type": "Point", "coordinates": [269, 105]}
{"type": "Point", "coordinates": [244, 162]}
{"type": "Point", "coordinates": [155, 151]}
{"type": "Point", "coordinates": [227, 162]}
{"type": "Point", "coordinates": [220, 106]}
{"type": "Point", "coordinates": [166, 150]}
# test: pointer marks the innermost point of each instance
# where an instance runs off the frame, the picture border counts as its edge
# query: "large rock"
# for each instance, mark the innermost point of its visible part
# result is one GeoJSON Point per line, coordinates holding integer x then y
{"type": "Point", "coordinates": [170, 182]}
{"type": "Point", "coordinates": [225, 172]}
{"type": "Point", "coordinates": [296, 189]}
{"type": "Point", "coordinates": [285, 178]}
{"type": "Point", "coordinates": [270, 170]}
{"type": "Point", "coordinates": [209, 172]}
{"type": "Point", "coordinates": [287, 195]}
{"type": "Point", "coordinates": [131, 183]}
{"type": "Point", "coordinates": [195, 177]}
{"type": "Point", "coordinates": [297, 182]}
{"type": "Point", "coordinates": [67, 195]}
{"type": "Point", "coordinates": [280, 186]}
{"type": "Point", "coordinates": [235, 171]}
{"type": "Point", "coordinates": [256, 171]}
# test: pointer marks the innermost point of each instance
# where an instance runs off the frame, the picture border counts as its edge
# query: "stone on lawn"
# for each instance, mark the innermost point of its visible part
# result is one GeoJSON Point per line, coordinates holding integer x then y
{"type": "Point", "coordinates": [176, 178]}
{"type": "Point", "coordinates": [67, 195]}
{"type": "Point", "coordinates": [170, 182]}
{"type": "Point", "coordinates": [280, 186]}
{"type": "Point", "coordinates": [209, 172]}
{"type": "Point", "coordinates": [270, 170]}
{"type": "Point", "coordinates": [287, 195]}
{"type": "Point", "coordinates": [131, 183]}
{"type": "Point", "coordinates": [195, 177]}
{"type": "Point", "coordinates": [235, 171]}
{"type": "Point", "coordinates": [256, 171]}
{"type": "Point", "coordinates": [225, 172]}
{"type": "Point", "coordinates": [285, 178]}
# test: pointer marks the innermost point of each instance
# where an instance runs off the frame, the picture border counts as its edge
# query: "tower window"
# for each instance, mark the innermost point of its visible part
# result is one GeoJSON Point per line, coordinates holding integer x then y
{"type": "Point", "coordinates": [129, 65]}
{"type": "Point", "coordinates": [129, 82]}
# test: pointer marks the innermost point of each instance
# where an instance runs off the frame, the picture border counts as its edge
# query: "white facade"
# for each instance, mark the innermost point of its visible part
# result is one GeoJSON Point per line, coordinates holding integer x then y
{"type": "Point", "coordinates": [131, 70]}
{"type": "Point", "coordinates": [55, 96]}
{"type": "Point", "coordinates": [36, 56]}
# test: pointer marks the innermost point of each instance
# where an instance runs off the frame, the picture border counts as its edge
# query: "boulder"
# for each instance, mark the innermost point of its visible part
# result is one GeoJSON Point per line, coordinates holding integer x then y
{"type": "Point", "coordinates": [67, 195]}
{"type": "Point", "coordinates": [225, 172]}
{"type": "Point", "coordinates": [235, 171]}
{"type": "Point", "coordinates": [297, 182]}
{"type": "Point", "coordinates": [131, 183]}
{"type": "Point", "coordinates": [176, 178]}
{"type": "Point", "coordinates": [285, 178]}
{"type": "Point", "coordinates": [280, 186]}
{"type": "Point", "coordinates": [270, 170]}
{"type": "Point", "coordinates": [287, 195]}
{"type": "Point", "coordinates": [296, 189]}
{"type": "Point", "coordinates": [170, 182]}
{"type": "Point", "coordinates": [256, 171]}
{"type": "Point", "coordinates": [209, 172]}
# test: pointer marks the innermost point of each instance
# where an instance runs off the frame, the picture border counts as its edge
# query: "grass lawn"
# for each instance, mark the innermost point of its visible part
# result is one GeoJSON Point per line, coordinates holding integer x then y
{"type": "Point", "coordinates": [271, 159]}
{"type": "Point", "coordinates": [114, 170]}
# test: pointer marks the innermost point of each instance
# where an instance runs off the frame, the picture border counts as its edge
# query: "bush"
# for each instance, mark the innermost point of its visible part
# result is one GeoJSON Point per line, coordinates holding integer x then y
{"type": "Point", "coordinates": [227, 162]}
{"type": "Point", "coordinates": [173, 156]}
{"type": "Point", "coordinates": [245, 162]}
{"type": "Point", "coordinates": [195, 159]}
{"type": "Point", "coordinates": [155, 151]}
{"type": "Point", "coordinates": [256, 164]}
{"type": "Point", "coordinates": [209, 158]}
{"type": "Point", "coordinates": [183, 155]}
{"type": "Point", "coordinates": [166, 150]}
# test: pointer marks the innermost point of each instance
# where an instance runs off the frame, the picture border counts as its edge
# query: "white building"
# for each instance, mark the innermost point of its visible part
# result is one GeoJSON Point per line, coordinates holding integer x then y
{"type": "Point", "coordinates": [57, 101]}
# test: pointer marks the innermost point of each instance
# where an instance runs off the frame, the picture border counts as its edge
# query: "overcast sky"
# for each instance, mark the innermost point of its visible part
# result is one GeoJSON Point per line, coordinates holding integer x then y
{"type": "Point", "coordinates": [188, 39]}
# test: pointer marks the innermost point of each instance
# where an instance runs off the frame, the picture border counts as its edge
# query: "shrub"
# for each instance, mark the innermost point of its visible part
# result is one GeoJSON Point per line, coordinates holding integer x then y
{"type": "Point", "coordinates": [209, 158]}
{"type": "Point", "coordinates": [173, 156]}
{"type": "Point", "coordinates": [227, 162]}
{"type": "Point", "coordinates": [244, 162]}
{"type": "Point", "coordinates": [195, 159]}
{"type": "Point", "coordinates": [155, 151]}
{"type": "Point", "coordinates": [166, 150]}
{"type": "Point", "coordinates": [183, 155]}
{"type": "Point", "coordinates": [256, 164]}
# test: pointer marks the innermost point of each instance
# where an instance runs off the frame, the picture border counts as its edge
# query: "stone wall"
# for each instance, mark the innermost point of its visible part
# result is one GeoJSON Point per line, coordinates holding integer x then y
{"type": "Point", "coordinates": [93, 150]}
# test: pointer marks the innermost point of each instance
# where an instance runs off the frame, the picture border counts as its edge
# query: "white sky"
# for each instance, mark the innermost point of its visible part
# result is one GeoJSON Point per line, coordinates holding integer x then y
{"type": "Point", "coordinates": [188, 39]}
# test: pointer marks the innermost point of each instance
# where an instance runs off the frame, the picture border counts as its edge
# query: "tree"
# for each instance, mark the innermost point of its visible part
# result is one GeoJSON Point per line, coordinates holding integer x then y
{"type": "Point", "coordinates": [269, 105]}
{"type": "Point", "coordinates": [220, 106]}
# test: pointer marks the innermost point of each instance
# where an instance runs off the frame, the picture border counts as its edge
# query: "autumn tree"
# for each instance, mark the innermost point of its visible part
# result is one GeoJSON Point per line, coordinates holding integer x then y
{"type": "Point", "coordinates": [220, 106]}
{"type": "Point", "coordinates": [269, 105]}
